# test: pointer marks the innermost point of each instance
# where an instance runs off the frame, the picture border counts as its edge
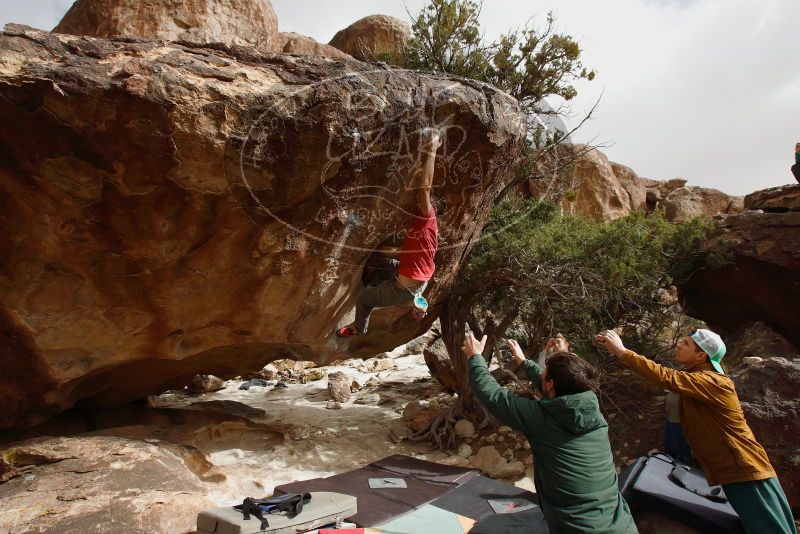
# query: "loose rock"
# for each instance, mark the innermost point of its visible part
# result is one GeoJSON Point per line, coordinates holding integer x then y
{"type": "Point", "coordinates": [206, 384]}
{"type": "Point", "coordinates": [464, 428]}
{"type": "Point", "coordinates": [399, 432]}
{"type": "Point", "coordinates": [368, 399]}
{"type": "Point", "coordinates": [339, 386]}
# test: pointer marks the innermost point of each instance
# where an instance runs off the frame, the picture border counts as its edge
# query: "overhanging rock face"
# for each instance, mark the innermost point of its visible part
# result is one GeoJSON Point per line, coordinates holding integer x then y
{"type": "Point", "coordinates": [169, 209]}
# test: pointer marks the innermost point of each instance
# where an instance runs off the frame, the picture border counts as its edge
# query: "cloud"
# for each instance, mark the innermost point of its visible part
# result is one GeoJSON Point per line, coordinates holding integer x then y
{"type": "Point", "coordinates": [706, 90]}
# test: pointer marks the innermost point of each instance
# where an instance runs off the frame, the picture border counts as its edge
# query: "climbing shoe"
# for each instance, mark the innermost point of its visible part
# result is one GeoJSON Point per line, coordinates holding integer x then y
{"type": "Point", "coordinates": [346, 331]}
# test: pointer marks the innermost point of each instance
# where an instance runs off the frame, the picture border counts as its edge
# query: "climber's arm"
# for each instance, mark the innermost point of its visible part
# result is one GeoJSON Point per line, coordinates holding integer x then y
{"type": "Point", "coordinates": [424, 176]}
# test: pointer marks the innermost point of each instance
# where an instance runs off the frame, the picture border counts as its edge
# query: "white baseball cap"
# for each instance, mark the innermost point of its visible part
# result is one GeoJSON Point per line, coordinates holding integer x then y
{"type": "Point", "coordinates": [711, 344]}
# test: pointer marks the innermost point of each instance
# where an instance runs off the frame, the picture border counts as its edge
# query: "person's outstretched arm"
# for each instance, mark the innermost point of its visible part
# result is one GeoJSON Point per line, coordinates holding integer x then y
{"type": "Point", "coordinates": [531, 369]}
{"type": "Point", "coordinates": [512, 410]}
{"type": "Point", "coordinates": [696, 385]}
{"type": "Point", "coordinates": [423, 181]}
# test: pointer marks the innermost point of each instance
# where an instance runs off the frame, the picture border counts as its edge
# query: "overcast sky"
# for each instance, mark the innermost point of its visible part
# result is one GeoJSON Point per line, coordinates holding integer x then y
{"type": "Point", "coordinates": [697, 89]}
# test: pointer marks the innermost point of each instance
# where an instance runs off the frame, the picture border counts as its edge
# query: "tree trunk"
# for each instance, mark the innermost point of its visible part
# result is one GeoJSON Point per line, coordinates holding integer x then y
{"type": "Point", "coordinates": [453, 320]}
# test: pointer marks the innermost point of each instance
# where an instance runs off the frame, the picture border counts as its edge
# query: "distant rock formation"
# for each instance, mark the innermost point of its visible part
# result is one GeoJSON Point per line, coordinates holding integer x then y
{"type": "Point", "coordinates": [171, 209]}
{"type": "Point", "coordinates": [373, 37]}
{"type": "Point", "coordinates": [238, 22]}
{"type": "Point", "coordinates": [685, 203]}
{"type": "Point", "coordinates": [605, 190]}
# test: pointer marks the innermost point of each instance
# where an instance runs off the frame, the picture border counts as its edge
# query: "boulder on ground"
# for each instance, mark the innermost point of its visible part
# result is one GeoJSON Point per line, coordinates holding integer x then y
{"type": "Point", "coordinates": [210, 209]}
{"type": "Point", "coordinates": [100, 485]}
{"type": "Point", "coordinates": [376, 37]}
{"type": "Point", "coordinates": [464, 428]}
{"type": "Point", "coordinates": [424, 418]}
{"type": "Point", "coordinates": [240, 22]}
{"type": "Point", "coordinates": [339, 386]}
{"type": "Point", "coordinates": [491, 462]}
{"type": "Point", "coordinates": [205, 384]}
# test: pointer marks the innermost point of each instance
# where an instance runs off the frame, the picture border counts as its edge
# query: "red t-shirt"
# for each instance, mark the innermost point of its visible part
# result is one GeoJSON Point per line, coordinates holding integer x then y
{"type": "Point", "coordinates": [419, 248]}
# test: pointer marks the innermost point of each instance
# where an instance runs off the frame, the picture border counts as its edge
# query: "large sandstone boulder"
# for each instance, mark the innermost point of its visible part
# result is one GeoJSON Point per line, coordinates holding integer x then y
{"type": "Point", "coordinates": [171, 210]}
{"type": "Point", "coordinates": [593, 186]}
{"type": "Point", "coordinates": [98, 484]}
{"type": "Point", "coordinates": [373, 38]}
{"type": "Point", "coordinates": [301, 45]}
{"type": "Point", "coordinates": [762, 280]}
{"type": "Point", "coordinates": [768, 393]}
{"type": "Point", "coordinates": [240, 22]}
{"type": "Point", "coordinates": [685, 203]}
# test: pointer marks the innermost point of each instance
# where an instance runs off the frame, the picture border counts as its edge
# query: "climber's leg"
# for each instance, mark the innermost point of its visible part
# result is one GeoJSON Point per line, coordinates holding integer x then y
{"type": "Point", "coordinates": [379, 268]}
{"type": "Point", "coordinates": [796, 172]}
{"type": "Point", "coordinates": [389, 293]}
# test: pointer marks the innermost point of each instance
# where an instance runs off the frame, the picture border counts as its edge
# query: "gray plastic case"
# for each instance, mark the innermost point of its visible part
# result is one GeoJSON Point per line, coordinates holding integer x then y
{"type": "Point", "coordinates": [324, 508]}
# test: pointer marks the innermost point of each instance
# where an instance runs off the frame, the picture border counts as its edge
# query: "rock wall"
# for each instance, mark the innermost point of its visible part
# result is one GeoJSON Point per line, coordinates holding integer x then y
{"type": "Point", "coordinates": [768, 393]}
{"type": "Point", "coordinates": [170, 209]}
{"type": "Point", "coordinates": [762, 280]}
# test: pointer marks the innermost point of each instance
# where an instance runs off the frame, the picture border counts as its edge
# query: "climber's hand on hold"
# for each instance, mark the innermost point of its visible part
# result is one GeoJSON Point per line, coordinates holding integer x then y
{"type": "Point", "coordinates": [472, 346]}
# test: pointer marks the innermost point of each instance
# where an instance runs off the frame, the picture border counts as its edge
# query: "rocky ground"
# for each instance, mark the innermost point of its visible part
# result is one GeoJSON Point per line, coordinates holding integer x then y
{"type": "Point", "coordinates": [152, 467]}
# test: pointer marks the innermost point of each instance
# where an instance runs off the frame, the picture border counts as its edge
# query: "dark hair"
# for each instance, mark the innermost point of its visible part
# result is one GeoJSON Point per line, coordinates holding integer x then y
{"type": "Point", "coordinates": [571, 374]}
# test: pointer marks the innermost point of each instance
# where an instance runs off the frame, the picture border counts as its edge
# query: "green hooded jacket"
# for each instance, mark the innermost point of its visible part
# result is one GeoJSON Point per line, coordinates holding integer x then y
{"type": "Point", "coordinates": [574, 470]}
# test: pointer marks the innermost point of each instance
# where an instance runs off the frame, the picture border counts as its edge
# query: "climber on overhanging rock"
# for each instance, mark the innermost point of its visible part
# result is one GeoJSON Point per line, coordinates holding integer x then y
{"type": "Point", "coordinates": [796, 166]}
{"type": "Point", "coordinates": [409, 268]}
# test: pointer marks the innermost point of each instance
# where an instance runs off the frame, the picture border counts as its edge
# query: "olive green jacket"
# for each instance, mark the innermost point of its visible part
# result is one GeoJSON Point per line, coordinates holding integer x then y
{"type": "Point", "coordinates": [574, 471]}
